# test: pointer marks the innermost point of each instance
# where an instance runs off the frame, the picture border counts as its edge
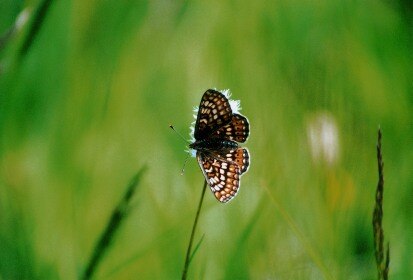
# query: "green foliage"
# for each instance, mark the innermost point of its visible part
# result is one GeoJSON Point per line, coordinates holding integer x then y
{"type": "Point", "coordinates": [91, 99]}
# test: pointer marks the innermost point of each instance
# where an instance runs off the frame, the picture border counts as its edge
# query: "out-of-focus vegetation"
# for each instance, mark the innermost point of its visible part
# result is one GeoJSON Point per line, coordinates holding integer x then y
{"type": "Point", "coordinates": [88, 102]}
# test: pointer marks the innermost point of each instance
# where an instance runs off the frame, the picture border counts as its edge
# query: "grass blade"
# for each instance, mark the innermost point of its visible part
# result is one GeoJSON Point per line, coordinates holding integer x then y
{"type": "Point", "coordinates": [115, 221]}
{"type": "Point", "coordinates": [36, 25]}
{"type": "Point", "coordinates": [196, 248]}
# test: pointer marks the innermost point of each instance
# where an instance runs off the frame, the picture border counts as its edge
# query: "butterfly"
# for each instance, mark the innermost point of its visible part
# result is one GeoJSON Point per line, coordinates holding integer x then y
{"type": "Point", "coordinates": [217, 130]}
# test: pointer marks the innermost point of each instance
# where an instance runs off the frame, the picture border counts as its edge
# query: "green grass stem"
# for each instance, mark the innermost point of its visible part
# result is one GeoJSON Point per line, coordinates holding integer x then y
{"type": "Point", "coordinates": [381, 262]}
{"type": "Point", "coordinates": [189, 256]}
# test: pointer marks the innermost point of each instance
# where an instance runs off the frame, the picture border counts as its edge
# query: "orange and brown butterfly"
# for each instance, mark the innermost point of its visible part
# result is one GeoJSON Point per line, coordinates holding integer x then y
{"type": "Point", "coordinates": [216, 131]}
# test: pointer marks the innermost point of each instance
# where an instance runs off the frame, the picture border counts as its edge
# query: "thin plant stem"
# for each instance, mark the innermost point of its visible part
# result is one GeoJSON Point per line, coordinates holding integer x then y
{"type": "Point", "coordinates": [191, 239]}
{"type": "Point", "coordinates": [382, 258]}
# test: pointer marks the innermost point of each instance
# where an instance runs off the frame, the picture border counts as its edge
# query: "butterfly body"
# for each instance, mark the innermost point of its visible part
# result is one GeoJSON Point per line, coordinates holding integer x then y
{"type": "Point", "coordinates": [206, 145]}
{"type": "Point", "coordinates": [217, 131]}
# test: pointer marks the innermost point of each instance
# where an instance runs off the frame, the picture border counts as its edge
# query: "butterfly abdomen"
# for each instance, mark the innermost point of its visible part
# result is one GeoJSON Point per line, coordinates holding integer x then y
{"type": "Point", "coordinates": [213, 144]}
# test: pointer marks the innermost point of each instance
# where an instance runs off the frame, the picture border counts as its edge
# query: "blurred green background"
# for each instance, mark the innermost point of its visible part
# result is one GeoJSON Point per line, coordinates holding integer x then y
{"type": "Point", "coordinates": [86, 102]}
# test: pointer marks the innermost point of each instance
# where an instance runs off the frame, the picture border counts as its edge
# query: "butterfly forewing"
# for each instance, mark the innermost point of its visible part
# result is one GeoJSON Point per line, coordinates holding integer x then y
{"type": "Point", "coordinates": [237, 129]}
{"type": "Point", "coordinates": [213, 113]}
{"type": "Point", "coordinates": [221, 175]}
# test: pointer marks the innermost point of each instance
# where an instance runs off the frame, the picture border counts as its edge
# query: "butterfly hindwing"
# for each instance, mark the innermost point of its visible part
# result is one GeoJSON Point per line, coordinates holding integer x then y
{"type": "Point", "coordinates": [241, 157]}
{"type": "Point", "coordinates": [237, 129]}
{"type": "Point", "coordinates": [213, 113]}
{"type": "Point", "coordinates": [221, 175]}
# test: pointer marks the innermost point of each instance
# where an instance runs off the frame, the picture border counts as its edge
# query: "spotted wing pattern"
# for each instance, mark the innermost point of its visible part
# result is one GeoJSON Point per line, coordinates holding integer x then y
{"type": "Point", "coordinates": [237, 129]}
{"type": "Point", "coordinates": [221, 176]}
{"type": "Point", "coordinates": [213, 113]}
{"type": "Point", "coordinates": [223, 171]}
{"type": "Point", "coordinates": [241, 157]}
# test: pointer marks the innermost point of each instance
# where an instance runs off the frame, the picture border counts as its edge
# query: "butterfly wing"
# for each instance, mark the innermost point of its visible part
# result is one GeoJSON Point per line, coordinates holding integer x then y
{"type": "Point", "coordinates": [237, 129]}
{"type": "Point", "coordinates": [214, 111]}
{"type": "Point", "coordinates": [222, 177]}
{"type": "Point", "coordinates": [239, 156]}
{"type": "Point", "coordinates": [222, 171]}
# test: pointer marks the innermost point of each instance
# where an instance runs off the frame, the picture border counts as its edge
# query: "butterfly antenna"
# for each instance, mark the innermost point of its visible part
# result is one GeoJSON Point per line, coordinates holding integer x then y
{"type": "Point", "coordinates": [173, 128]}
{"type": "Point", "coordinates": [183, 167]}
{"type": "Point", "coordinates": [186, 141]}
